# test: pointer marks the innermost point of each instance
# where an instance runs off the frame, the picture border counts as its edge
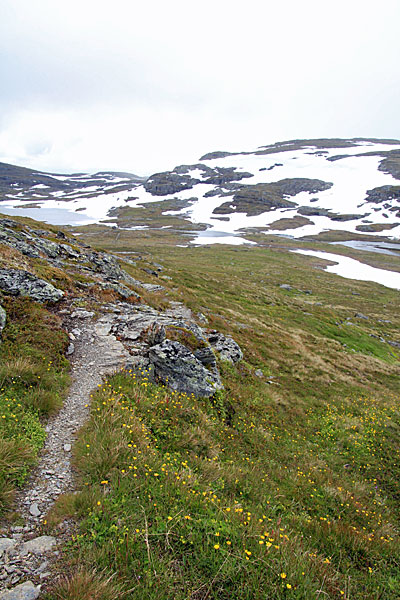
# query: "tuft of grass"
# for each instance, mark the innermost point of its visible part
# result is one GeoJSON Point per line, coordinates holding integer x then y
{"type": "Point", "coordinates": [15, 457]}
{"type": "Point", "coordinates": [85, 584]}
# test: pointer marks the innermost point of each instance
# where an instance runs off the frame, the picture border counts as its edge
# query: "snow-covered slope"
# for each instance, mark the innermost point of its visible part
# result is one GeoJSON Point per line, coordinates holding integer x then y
{"type": "Point", "coordinates": [359, 196]}
{"type": "Point", "coordinates": [298, 188]}
{"type": "Point", "coordinates": [86, 198]}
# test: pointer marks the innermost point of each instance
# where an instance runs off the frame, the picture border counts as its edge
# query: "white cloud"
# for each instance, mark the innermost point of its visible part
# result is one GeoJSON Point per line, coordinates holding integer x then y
{"type": "Point", "coordinates": [146, 85]}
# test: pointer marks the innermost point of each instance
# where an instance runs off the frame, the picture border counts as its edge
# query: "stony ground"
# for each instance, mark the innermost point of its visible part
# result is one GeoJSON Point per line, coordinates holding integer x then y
{"type": "Point", "coordinates": [25, 554]}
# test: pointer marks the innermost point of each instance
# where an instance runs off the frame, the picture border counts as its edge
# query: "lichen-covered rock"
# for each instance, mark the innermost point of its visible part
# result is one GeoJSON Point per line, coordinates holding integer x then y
{"type": "Point", "coordinates": [23, 591]}
{"type": "Point", "coordinates": [155, 334]}
{"type": "Point", "coordinates": [120, 288]}
{"type": "Point", "coordinates": [39, 545]}
{"type": "Point", "coordinates": [21, 283]}
{"type": "Point", "coordinates": [226, 346]}
{"type": "Point", "coordinates": [105, 264]}
{"type": "Point", "coordinates": [175, 365]}
{"type": "Point", "coordinates": [206, 356]}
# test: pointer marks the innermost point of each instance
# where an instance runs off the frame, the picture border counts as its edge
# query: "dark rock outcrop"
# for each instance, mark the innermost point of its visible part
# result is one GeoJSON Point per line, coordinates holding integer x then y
{"type": "Point", "coordinates": [21, 283]}
{"type": "Point", "coordinates": [391, 164]}
{"type": "Point", "coordinates": [384, 193]}
{"type": "Point", "coordinates": [105, 264]}
{"type": "Point", "coordinates": [175, 365]}
{"type": "Point", "coordinates": [181, 178]}
{"type": "Point", "coordinates": [226, 346]}
{"type": "Point", "coordinates": [163, 184]}
{"type": "Point", "coordinates": [263, 197]}
{"type": "Point", "coordinates": [216, 154]}
{"type": "Point", "coordinates": [206, 356]}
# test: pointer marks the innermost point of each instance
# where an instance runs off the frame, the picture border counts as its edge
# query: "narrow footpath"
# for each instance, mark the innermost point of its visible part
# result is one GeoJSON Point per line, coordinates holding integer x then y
{"type": "Point", "coordinates": [24, 553]}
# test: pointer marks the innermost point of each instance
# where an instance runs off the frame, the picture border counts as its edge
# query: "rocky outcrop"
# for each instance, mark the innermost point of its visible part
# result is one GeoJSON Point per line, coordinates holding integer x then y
{"type": "Point", "coordinates": [120, 288]}
{"type": "Point", "coordinates": [263, 197]}
{"type": "Point", "coordinates": [32, 243]}
{"type": "Point", "coordinates": [163, 184]}
{"type": "Point", "coordinates": [187, 364]}
{"type": "Point", "coordinates": [216, 154]}
{"type": "Point", "coordinates": [105, 265]}
{"type": "Point", "coordinates": [181, 178]}
{"type": "Point", "coordinates": [224, 175]}
{"type": "Point", "coordinates": [391, 164]}
{"type": "Point", "coordinates": [102, 267]}
{"type": "Point", "coordinates": [174, 364]}
{"type": "Point", "coordinates": [384, 193]}
{"type": "Point", "coordinates": [21, 283]}
{"type": "Point", "coordinates": [226, 346]}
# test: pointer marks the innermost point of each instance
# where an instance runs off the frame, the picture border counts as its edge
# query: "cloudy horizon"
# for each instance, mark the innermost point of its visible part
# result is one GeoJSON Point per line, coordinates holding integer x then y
{"type": "Point", "coordinates": [128, 86]}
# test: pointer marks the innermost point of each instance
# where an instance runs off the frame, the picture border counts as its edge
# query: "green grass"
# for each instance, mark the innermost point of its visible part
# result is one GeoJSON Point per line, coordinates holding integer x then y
{"type": "Point", "coordinates": [281, 486]}
{"type": "Point", "coordinates": [187, 498]}
{"type": "Point", "coordinates": [33, 381]}
{"type": "Point", "coordinates": [298, 472]}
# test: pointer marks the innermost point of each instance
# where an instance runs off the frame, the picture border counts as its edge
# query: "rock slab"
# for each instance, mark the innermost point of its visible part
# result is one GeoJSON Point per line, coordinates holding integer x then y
{"type": "Point", "coordinates": [21, 283]}
{"type": "Point", "coordinates": [39, 545]}
{"type": "Point", "coordinates": [24, 591]}
{"type": "Point", "coordinates": [176, 366]}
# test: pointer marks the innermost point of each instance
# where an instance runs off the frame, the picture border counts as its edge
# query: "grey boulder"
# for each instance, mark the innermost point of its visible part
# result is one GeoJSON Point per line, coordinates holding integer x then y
{"type": "Point", "coordinates": [7, 544]}
{"type": "Point", "coordinates": [21, 283]}
{"type": "Point", "coordinates": [226, 346]}
{"type": "Point", "coordinates": [24, 591]}
{"type": "Point", "coordinates": [176, 366]}
{"type": "Point", "coordinates": [39, 545]}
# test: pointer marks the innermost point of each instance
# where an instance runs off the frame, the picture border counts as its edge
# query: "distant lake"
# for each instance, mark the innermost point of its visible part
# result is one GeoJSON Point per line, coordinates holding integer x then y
{"type": "Point", "coordinates": [379, 247]}
{"type": "Point", "coordinates": [53, 216]}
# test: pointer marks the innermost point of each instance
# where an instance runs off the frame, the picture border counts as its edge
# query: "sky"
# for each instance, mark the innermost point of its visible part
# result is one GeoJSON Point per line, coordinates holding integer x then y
{"type": "Point", "coordinates": [144, 86]}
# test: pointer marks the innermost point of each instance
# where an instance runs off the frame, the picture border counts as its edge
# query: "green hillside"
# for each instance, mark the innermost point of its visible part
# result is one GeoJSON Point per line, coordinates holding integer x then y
{"type": "Point", "coordinates": [284, 484]}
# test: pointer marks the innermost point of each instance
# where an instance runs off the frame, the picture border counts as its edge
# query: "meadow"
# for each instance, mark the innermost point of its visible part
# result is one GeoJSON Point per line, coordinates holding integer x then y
{"type": "Point", "coordinates": [284, 485]}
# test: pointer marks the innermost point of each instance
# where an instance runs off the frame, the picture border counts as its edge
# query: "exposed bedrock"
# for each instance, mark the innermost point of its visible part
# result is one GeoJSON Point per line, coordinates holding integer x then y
{"type": "Point", "coordinates": [21, 283]}
{"type": "Point", "coordinates": [263, 197]}
{"type": "Point", "coordinates": [181, 178]}
{"type": "Point", "coordinates": [175, 365]}
{"type": "Point", "coordinates": [384, 193]}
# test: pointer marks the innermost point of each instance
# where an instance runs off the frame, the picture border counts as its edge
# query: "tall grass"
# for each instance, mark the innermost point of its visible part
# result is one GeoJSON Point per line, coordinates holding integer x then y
{"type": "Point", "coordinates": [33, 381]}
{"type": "Point", "coordinates": [183, 498]}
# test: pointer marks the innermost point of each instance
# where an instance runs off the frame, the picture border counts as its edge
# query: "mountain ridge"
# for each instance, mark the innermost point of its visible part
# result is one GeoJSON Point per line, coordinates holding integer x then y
{"type": "Point", "coordinates": [253, 190]}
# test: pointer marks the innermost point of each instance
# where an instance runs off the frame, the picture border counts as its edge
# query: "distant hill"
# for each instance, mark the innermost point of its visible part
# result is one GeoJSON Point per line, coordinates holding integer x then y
{"type": "Point", "coordinates": [296, 187]}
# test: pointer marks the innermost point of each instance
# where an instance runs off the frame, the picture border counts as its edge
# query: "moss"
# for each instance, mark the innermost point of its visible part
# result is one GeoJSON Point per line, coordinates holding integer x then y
{"type": "Point", "coordinates": [185, 337]}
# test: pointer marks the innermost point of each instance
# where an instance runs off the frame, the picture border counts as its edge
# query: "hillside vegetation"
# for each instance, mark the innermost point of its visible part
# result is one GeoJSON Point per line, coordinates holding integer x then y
{"type": "Point", "coordinates": [283, 485]}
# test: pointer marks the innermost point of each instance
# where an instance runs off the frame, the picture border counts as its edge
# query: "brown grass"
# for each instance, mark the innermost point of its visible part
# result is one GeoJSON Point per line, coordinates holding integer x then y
{"type": "Point", "coordinates": [86, 584]}
{"type": "Point", "coordinates": [14, 455]}
{"type": "Point", "coordinates": [10, 258]}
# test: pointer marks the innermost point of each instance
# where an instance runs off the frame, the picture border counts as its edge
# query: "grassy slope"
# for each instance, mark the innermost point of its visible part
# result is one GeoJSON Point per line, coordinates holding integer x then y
{"type": "Point", "coordinates": [33, 380]}
{"type": "Point", "coordinates": [286, 489]}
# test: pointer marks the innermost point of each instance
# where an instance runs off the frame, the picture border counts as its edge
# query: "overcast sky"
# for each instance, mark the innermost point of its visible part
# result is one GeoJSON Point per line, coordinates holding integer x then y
{"type": "Point", "coordinates": [143, 86]}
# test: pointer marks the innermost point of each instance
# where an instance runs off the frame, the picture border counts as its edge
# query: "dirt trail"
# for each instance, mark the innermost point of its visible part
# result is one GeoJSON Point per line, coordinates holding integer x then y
{"type": "Point", "coordinates": [22, 553]}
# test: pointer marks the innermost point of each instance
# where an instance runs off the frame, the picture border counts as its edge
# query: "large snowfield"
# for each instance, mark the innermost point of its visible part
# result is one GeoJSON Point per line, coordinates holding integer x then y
{"type": "Point", "coordinates": [352, 174]}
